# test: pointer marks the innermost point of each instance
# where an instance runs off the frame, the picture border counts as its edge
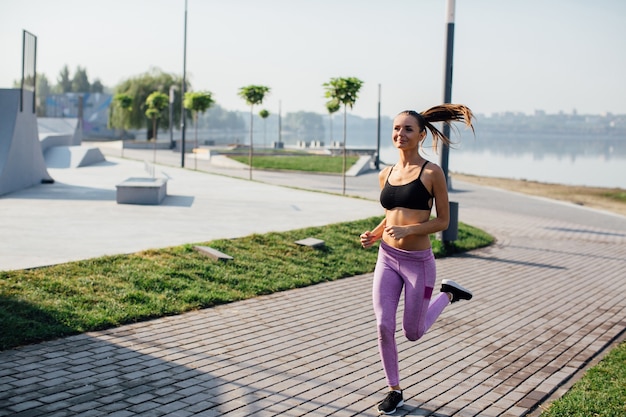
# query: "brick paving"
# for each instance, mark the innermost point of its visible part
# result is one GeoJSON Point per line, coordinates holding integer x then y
{"type": "Point", "coordinates": [549, 300]}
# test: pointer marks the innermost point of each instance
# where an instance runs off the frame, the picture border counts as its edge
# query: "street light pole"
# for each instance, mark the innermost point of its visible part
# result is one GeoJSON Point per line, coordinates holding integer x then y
{"type": "Point", "coordinates": [377, 163]}
{"type": "Point", "coordinates": [280, 126]}
{"type": "Point", "coordinates": [182, 100]}
{"type": "Point", "coordinates": [447, 87]}
{"type": "Point", "coordinates": [172, 88]}
{"type": "Point", "coordinates": [451, 233]}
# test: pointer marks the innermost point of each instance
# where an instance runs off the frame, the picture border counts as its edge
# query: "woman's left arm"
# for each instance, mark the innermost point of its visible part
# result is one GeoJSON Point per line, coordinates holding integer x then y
{"type": "Point", "coordinates": [442, 205]}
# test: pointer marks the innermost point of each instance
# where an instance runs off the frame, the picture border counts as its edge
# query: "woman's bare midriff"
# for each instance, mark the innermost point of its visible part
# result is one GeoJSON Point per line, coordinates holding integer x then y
{"type": "Point", "coordinates": [404, 217]}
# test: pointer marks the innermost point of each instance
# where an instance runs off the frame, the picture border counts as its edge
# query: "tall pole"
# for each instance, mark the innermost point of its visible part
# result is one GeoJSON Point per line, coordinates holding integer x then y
{"type": "Point", "coordinates": [377, 163]}
{"type": "Point", "coordinates": [182, 101]}
{"type": "Point", "coordinates": [250, 150]}
{"type": "Point", "coordinates": [447, 87]}
{"type": "Point", "coordinates": [345, 115]}
{"type": "Point", "coordinates": [172, 88]}
{"type": "Point", "coordinates": [280, 127]}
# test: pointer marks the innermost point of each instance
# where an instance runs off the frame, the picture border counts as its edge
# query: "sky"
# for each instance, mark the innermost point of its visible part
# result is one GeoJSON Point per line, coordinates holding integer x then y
{"type": "Point", "coordinates": [517, 56]}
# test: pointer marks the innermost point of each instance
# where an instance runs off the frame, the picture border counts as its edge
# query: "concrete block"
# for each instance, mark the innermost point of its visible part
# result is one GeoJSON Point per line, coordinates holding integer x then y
{"type": "Point", "coordinates": [312, 242]}
{"type": "Point", "coordinates": [202, 153]}
{"type": "Point", "coordinates": [141, 191]}
{"type": "Point", "coordinates": [213, 253]}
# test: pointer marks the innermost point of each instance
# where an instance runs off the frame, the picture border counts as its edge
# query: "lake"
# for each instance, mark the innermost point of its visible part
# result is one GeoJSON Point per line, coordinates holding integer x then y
{"type": "Point", "coordinates": [561, 159]}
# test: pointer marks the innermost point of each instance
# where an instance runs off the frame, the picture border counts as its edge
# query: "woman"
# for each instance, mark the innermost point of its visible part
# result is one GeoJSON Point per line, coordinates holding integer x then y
{"type": "Point", "coordinates": [405, 257]}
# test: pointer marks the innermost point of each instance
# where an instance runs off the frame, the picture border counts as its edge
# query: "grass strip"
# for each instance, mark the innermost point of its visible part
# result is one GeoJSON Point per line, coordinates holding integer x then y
{"type": "Point", "coordinates": [45, 303]}
{"type": "Point", "coordinates": [310, 163]}
{"type": "Point", "coordinates": [601, 392]}
{"type": "Point", "coordinates": [617, 195]}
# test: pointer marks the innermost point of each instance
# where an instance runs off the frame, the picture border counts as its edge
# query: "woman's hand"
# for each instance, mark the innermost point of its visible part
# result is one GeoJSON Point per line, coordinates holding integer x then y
{"type": "Point", "coordinates": [368, 239]}
{"type": "Point", "coordinates": [397, 232]}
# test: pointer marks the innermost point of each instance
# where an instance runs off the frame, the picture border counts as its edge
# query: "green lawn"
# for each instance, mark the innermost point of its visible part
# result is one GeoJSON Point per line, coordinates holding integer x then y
{"type": "Point", "coordinates": [310, 163]}
{"type": "Point", "coordinates": [617, 195]}
{"type": "Point", "coordinates": [45, 303]}
{"type": "Point", "coordinates": [600, 393]}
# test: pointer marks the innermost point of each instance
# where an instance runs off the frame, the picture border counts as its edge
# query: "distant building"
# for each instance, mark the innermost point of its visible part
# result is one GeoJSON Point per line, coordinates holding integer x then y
{"type": "Point", "coordinates": [95, 111]}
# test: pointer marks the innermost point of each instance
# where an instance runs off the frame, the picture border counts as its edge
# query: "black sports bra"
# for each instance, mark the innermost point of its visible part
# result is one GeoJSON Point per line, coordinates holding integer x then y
{"type": "Point", "coordinates": [413, 195]}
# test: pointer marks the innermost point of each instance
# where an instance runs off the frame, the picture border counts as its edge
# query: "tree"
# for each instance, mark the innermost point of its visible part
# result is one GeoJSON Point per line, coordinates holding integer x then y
{"type": "Point", "coordinates": [121, 119]}
{"type": "Point", "coordinates": [43, 90]}
{"type": "Point", "coordinates": [198, 102]}
{"type": "Point", "coordinates": [80, 81]}
{"type": "Point", "coordinates": [64, 83]}
{"type": "Point", "coordinates": [305, 125]}
{"type": "Point", "coordinates": [219, 118]}
{"type": "Point", "coordinates": [253, 94]}
{"type": "Point", "coordinates": [119, 114]}
{"type": "Point", "coordinates": [264, 114]}
{"type": "Point", "coordinates": [155, 103]}
{"type": "Point", "coordinates": [332, 106]}
{"type": "Point", "coordinates": [140, 87]}
{"type": "Point", "coordinates": [97, 87]}
{"type": "Point", "coordinates": [344, 91]}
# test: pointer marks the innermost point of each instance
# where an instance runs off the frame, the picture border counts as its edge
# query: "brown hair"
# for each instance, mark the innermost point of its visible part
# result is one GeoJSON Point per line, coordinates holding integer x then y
{"type": "Point", "coordinates": [446, 113]}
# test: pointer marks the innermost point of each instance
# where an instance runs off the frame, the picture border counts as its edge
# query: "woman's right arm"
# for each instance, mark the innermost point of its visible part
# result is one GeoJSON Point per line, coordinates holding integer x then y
{"type": "Point", "coordinates": [369, 237]}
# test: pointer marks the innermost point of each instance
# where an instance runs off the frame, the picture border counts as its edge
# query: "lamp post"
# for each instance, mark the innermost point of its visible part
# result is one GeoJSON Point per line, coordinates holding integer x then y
{"type": "Point", "coordinates": [172, 88]}
{"type": "Point", "coordinates": [182, 101]}
{"type": "Point", "coordinates": [450, 234]}
{"type": "Point", "coordinates": [447, 86]}
{"type": "Point", "coordinates": [377, 163]}
{"type": "Point", "coordinates": [280, 126]}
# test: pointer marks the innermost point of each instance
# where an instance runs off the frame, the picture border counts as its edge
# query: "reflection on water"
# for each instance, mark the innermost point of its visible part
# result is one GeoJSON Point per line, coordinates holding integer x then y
{"type": "Point", "coordinates": [580, 170]}
{"type": "Point", "coordinates": [543, 145]}
{"type": "Point", "coordinates": [566, 159]}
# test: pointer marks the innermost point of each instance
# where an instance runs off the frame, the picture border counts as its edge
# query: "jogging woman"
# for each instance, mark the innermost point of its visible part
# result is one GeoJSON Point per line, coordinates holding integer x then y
{"type": "Point", "coordinates": [405, 258]}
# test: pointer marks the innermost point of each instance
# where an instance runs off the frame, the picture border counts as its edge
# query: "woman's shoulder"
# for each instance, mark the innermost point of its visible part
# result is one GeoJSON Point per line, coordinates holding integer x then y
{"type": "Point", "coordinates": [383, 174]}
{"type": "Point", "coordinates": [432, 167]}
{"type": "Point", "coordinates": [385, 171]}
{"type": "Point", "coordinates": [433, 172]}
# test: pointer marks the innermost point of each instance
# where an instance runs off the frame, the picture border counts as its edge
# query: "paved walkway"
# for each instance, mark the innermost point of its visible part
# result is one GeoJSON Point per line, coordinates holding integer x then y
{"type": "Point", "coordinates": [549, 300]}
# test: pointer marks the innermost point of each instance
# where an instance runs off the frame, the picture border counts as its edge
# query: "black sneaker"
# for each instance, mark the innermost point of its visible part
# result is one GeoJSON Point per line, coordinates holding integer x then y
{"type": "Point", "coordinates": [392, 401]}
{"type": "Point", "coordinates": [457, 291]}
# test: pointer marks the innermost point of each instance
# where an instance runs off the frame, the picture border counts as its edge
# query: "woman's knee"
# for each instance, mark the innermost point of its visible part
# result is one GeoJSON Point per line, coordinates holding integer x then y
{"type": "Point", "coordinates": [413, 335]}
{"type": "Point", "coordinates": [386, 332]}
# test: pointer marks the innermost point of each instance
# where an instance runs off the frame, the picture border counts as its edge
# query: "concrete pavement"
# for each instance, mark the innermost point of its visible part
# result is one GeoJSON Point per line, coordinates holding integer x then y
{"type": "Point", "coordinates": [77, 217]}
{"type": "Point", "coordinates": [548, 302]}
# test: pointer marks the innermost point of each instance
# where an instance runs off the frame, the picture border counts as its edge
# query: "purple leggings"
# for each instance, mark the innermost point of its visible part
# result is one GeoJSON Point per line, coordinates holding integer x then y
{"type": "Point", "coordinates": [416, 272]}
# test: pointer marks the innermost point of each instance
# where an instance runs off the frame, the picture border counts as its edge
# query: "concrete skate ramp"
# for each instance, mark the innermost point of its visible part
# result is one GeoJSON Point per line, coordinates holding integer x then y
{"type": "Point", "coordinates": [72, 156]}
{"type": "Point", "coordinates": [21, 160]}
{"type": "Point", "coordinates": [362, 165]}
{"type": "Point", "coordinates": [59, 131]}
{"type": "Point", "coordinates": [60, 142]}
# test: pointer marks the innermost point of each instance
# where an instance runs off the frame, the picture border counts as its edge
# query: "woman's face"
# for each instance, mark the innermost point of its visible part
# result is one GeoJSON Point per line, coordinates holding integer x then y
{"type": "Point", "coordinates": [406, 132]}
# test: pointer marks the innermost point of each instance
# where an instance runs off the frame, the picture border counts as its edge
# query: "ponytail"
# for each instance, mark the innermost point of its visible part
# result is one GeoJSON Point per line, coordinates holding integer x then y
{"type": "Point", "coordinates": [446, 113]}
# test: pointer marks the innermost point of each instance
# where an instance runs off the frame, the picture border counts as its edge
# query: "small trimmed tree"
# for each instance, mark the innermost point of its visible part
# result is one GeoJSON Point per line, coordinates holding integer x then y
{"type": "Point", "coordinates": [332, 106]}
{"type": "Point", "coordinates": [155, 104]}
{"type": "Point", "coordinates": [119, 114]}
{"type": "Point", "coordinates": [253, 94]}
{"type": "Point", "coordinates": [346, 92]}
{"type": "Point", "coordinates": [198, 102]}
{"type": "Point", "coordinates": [123, 103]}
{"type": "Point", "coordinates": [264, 114]}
